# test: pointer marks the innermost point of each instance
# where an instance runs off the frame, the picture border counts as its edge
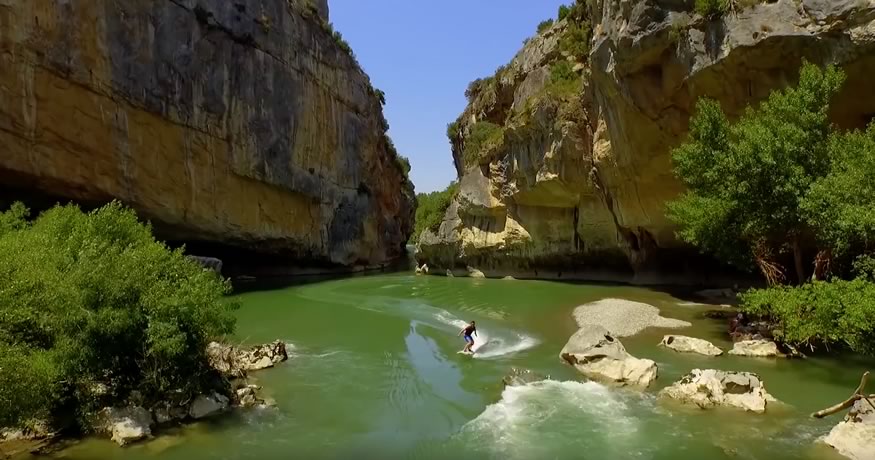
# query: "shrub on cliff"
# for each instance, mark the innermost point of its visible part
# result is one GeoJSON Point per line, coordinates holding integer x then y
{"type": "Point", "coordinates": [711, 8]}
{"type": "Point", "coordinates": [92, 300]}
{"type": "Point", "coordinates": [484, 135]}
{"type": "Point", "coordinates": [544, 25]}
{"type": "Point", "coordinates": [431, 209]}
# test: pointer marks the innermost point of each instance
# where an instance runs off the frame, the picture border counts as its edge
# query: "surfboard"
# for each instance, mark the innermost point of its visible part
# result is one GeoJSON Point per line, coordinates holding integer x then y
{"type": "Point", "coordinates": [469, 353]}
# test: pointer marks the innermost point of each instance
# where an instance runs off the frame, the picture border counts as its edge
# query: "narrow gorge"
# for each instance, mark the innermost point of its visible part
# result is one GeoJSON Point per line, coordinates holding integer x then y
{"type": "Point", "coordinates": [246, 128]}
{"type": "Point", "coordinates": [564, 155]}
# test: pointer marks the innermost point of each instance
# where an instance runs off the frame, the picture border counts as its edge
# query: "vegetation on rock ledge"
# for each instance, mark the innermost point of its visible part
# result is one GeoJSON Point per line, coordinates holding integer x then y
{"type": "Point", "coordinates": [95, 312]}
{"type": "Point", "coordinates": [431, 209]}
{"type": "Point", "coordinates": [782, 187]}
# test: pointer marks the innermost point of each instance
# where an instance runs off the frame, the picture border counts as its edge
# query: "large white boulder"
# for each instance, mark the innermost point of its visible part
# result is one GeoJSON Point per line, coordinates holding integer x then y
{"type": "Point", "coordinates": [208, 405]}
{"type": "Point", "coordinates": [125, 425]}
{"type": "Point", "coordinates": [755, 348]}
{"type": "Point", "coordinates": [710, 388]}
{"type": "Point", "coordinates": [600, 356]}
{"type": "Point", "coordinates": [234, 362]}
{"type": "Point", "coordinates": [855, 436]}
{"type": "Point", "coordinates": [686, 344]}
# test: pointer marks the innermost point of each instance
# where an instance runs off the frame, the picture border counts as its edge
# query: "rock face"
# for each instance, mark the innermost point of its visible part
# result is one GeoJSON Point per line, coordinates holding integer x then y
{"type": "Point", "coordinates": [234, 362]}
{"type": "Point", "coordinates": [126, 425]}
{"type": "Point", "coordinates": [598, 355]}
{"type": "Point", "coordinates": [623, 318]}
{"type": "Point", "coordinates": [710, 388]}
{"type": "Point", "coordinates": [855, 436]}
{"type": "Point", "coordinates": [243, 125]}
{"type": "Point", "coordinates": [755, 348]}
{"type": "Point", "coordinates": [686, 344]}
{"type": "Point", "coordinates": [578, 190]}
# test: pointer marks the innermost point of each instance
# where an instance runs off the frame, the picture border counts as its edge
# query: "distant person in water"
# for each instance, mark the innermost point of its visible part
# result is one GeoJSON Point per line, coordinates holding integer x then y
{"type": "Point", "coordinates": [469, 341]}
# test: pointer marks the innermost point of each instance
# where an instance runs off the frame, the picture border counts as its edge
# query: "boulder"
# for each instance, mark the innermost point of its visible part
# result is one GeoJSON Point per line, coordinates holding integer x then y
{"type": "Point", "coordinates": [168, 413]}
{"type": "Point", "coordinates": [234, 362]}
{"type": "Point", "coordinates": [686, 344]}
{"type": "Point", "coordinates": [855, 436]}
{"type": "Point", "coordinates": [208, 406]}
{"type": "Point", "coordinates": [755, 348]}
{"type": "Point", "coordinates": [520, 377]}
{"type": "Point", "coordinates": [598, 355]}
{"type": "Point", "coordinates": [209, 263]}
{"type": "Point", "coordinates": [422, 270]}
{"type": "Point", "coordinates": [125, 425]}
{"type": "Point", "coordinates": [711, 388]}
{"type": "Point", "coordinates": [475, 273]}
{"type": "Point", "coordinates": [248, 397]}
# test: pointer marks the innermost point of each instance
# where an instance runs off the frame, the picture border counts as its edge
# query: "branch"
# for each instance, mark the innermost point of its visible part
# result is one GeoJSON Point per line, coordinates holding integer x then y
{"type": "Point", "coordinates": [858, 394]}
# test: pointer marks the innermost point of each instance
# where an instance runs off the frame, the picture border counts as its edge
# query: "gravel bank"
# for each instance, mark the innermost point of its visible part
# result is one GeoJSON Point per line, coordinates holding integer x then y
{"type": "Point", "coordinates": [623, 318]}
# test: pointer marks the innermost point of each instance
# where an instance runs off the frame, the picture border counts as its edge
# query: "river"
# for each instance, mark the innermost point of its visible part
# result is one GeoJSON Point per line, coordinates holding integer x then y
{"type": "Point", "coordinates": [374, 373]}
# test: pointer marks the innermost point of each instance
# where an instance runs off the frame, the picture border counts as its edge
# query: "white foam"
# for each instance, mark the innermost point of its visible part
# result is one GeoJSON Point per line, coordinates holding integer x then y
{"type": "Point", "coordinates": [522, 423]}
{"type": "Point", "coordinates": [498, 346]}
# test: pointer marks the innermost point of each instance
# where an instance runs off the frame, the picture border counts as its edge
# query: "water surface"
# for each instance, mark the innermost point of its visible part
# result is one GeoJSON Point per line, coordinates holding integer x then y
{"type": "Point", "coordinates": [374, 373]}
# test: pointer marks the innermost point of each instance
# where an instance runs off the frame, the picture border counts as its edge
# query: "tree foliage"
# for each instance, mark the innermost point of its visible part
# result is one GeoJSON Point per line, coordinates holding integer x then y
{"type": "Point", "coordinates": [544, 25]}
{"type": "Point", "coordinates": [747, 180]}
{"type": "Point", "coordinates": [712, 8]}
{"type": "Point", "coordinates": [431, 209]}
{"type": "Point", "coordinates": [484, 135]}
{"type": "Point", "coordinates": [92, 298]}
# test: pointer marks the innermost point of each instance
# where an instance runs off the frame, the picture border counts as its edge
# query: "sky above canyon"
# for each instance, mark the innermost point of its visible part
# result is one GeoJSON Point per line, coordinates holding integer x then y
{"type": "Point", "coordinates": [423, 54]}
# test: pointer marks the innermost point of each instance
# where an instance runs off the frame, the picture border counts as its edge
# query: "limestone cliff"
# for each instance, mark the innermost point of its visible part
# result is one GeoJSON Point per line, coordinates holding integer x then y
{"type": "Point", "coordinates": [247, 124]}
{"type": "Point", "coordinates": [576, 187]}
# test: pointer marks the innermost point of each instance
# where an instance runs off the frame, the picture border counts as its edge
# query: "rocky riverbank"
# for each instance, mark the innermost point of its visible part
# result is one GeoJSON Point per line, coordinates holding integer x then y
{"type": "Point", "coordinates": [137, 421]}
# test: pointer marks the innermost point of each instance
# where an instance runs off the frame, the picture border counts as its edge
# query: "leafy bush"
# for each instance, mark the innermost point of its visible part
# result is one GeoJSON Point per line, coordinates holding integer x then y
{"type": "Point", "coordinates": [712, 8]}
{"type": "Point", "coordinates": [484, 135]}
{"type": "Point", "coordinates": [478, 86]}
{"type": "Point", "coordinates": [564, 11]}
{"type": "Point", "coordinates": [452, 131]}
{"type": "Point", "coordinates": [748, 180]}
{"type": "Point", "coordinates": [431, 209]}
{"type": "Point", "coordinates": [93, 298]}
{"type": "Point", "coordinates": [835, 313]}
{"type": "Point", "coordinates": [575, 40]}
{"type": "Point", "coordinates": [562, 71]}
{"type": "Point", "coordinates": [544, 25]}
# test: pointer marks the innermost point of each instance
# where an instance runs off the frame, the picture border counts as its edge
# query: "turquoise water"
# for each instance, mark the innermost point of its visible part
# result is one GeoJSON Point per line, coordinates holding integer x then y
{"type": "Point", "coordinates": [374, 373]}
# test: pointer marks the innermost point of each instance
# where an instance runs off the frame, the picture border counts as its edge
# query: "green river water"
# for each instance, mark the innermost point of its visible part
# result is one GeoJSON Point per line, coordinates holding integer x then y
{"type": "Point", "coordinates": [374, 373]}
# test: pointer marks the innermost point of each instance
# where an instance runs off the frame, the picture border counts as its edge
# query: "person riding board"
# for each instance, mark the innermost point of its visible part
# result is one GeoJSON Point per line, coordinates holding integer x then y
{"type": "Point", "coordinates": [469, 341]}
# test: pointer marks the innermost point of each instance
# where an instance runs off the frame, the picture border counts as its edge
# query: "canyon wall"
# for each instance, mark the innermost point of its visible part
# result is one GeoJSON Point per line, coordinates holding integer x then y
{"type": "Point", "coordinates": [575, 187]}
{"type": "Point", "coordinates": [244, 124]}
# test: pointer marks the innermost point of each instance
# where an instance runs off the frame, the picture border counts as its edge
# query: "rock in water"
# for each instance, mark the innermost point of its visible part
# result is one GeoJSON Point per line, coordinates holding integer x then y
{"type": "Point", "coordinates": [208, 405]}
{"type": "Point", "coordinates": [125, 425]}
{"type": "Point", "coordinates": [686, 344]}
{"type": "Point", "coordinates": [598, 355]}
{"type": "Point", "coordinates": [755, 348]}
{"type": "Point", "coordinates": [855, 436]}
{"type": "Point", "coordinates": [209, 263]}
{"type": "Point", "coordinates": [623, 318]}
{"type": "Point", "coordinates": [234, 362]}
{"type": "Point", "coordinates": [519, 377]}
{"type": "Point", "coordinates": [266, 136]}
{"type": "Point", "coordinates": [710, 388]}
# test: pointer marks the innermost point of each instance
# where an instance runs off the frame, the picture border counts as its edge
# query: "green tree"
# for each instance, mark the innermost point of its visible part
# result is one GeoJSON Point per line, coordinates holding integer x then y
{"type": "Point", "coordinates": [93, 298]}
{"type": "Point", "coordinates": [711, 8]}
{"type": "Point", "coordinates": [747, 180]}
{"type": "Point", "coordinates": [544, 25]}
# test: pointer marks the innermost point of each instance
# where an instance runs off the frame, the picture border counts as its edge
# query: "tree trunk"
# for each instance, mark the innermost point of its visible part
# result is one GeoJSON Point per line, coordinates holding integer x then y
{"type": "Point", "coordinates": [857, 395]}
{"type": "Point", "coordinates": [822, 265]}
{"type": "Point", "coordinates": [797, 259]}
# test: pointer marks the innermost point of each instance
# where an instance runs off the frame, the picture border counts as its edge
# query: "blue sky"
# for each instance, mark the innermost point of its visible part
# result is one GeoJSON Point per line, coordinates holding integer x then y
{"type": "Point", "coordinates": [423, 54]}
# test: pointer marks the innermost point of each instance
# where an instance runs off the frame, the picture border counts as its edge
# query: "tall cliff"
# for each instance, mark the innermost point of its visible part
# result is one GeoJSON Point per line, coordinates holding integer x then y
{"type": "Point", "coordinates": [245, 124]}
{"type": "Point", "coordinates": [564, 156]}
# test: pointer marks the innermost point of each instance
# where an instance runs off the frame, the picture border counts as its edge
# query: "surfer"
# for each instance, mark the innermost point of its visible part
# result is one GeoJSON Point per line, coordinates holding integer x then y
{"type": "Point", "coordinates": [469, 341]}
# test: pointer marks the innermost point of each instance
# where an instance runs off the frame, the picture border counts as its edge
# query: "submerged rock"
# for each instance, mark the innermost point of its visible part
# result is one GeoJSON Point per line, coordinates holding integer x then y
{"type": "Point", "coordinates": [686, 344]}
{"type": "Point", "coordinates": [125, 425]}
{"type": "Point", "coordinates": [598, 355]}
{"type": "Point", "coordinates": [518, 377]}
{"type": "Point", "coordinates": [855, 436]}
{"type": "Point", "coordinates": [623, 318]}
{"type": "Point", "coordinates": [710, 388]}
{"type": "Point", "coordinates": [208, 405]}
{"type": "Point", "coordinates": [755, 348]}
